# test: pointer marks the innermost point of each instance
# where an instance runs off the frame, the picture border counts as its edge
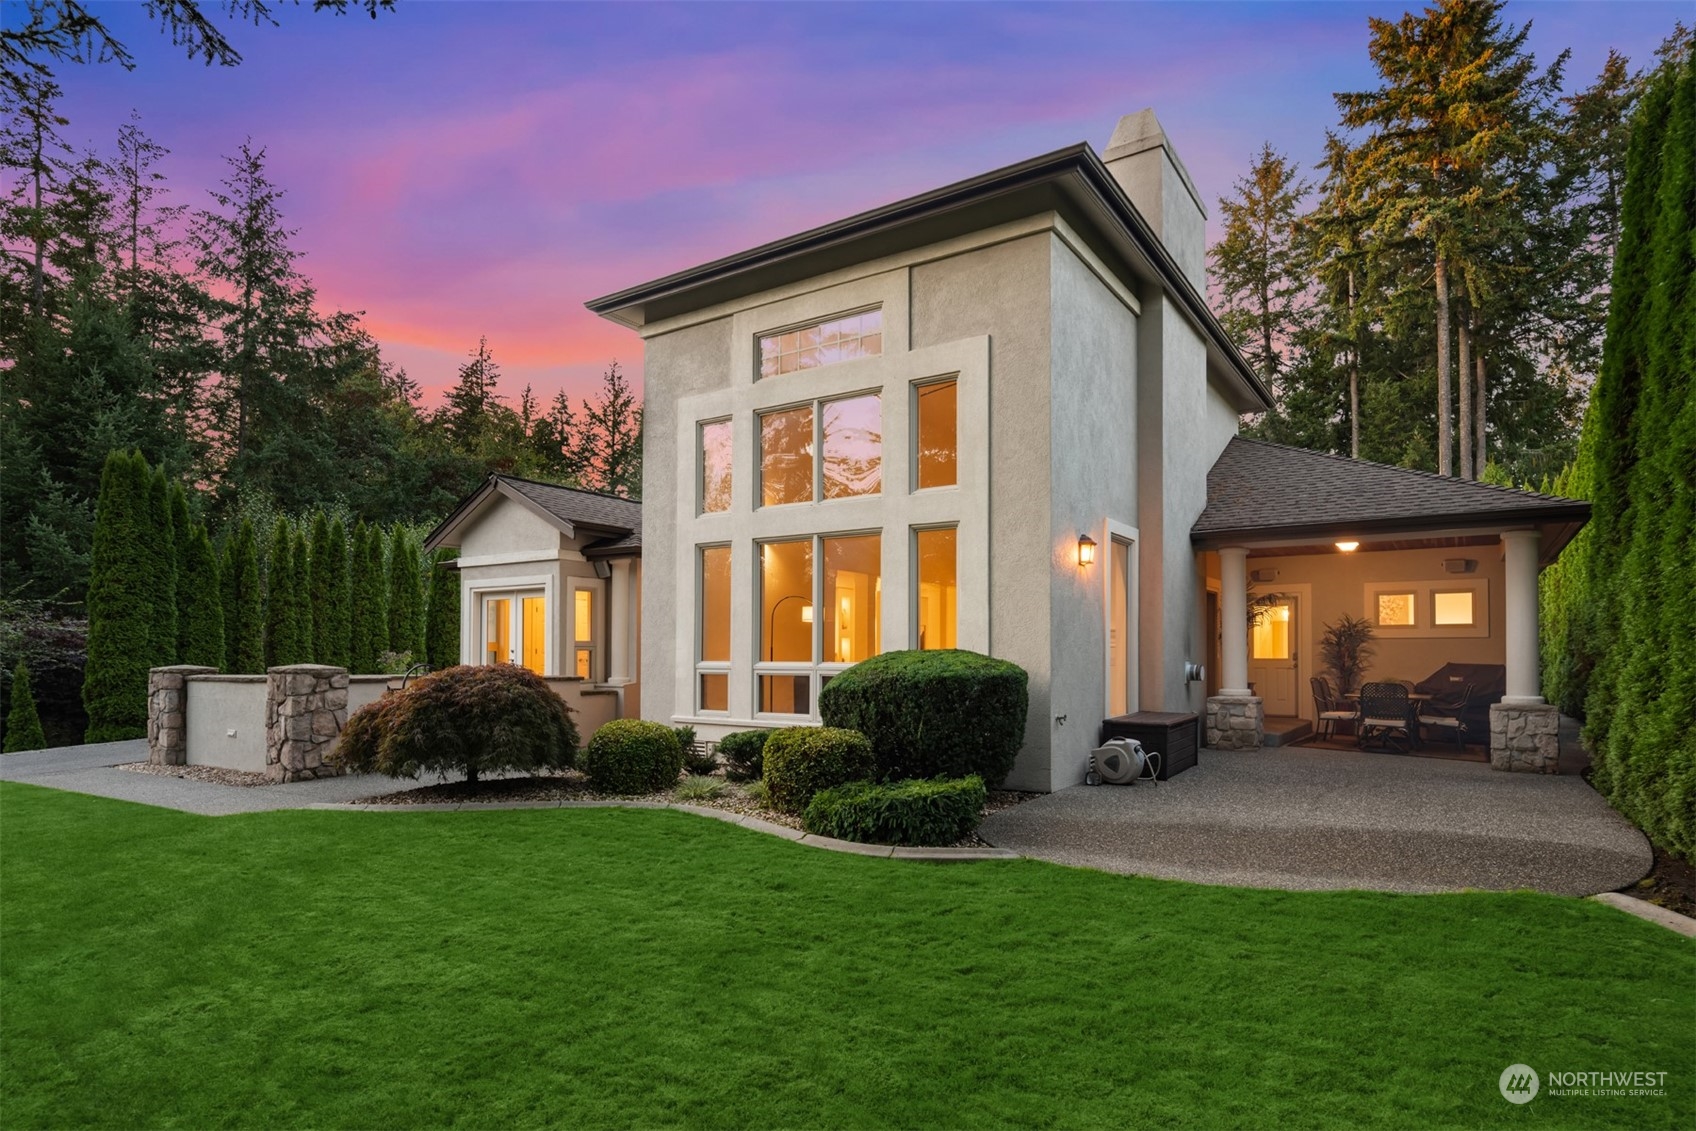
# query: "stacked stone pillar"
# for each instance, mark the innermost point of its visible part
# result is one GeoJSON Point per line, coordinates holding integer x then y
{"type": "Point", "coordinates": [1235, 722]}
{"type": "Point", "coordinates": [305, 710]}
{"type": "Point", "coordinates": [167, 713]}
{"type": "Point", "coordinates": [1525, 736]}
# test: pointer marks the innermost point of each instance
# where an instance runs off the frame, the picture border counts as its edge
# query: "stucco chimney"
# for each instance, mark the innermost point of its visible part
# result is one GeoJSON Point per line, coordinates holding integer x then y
{"type": "Point", "coordinates": [1146, 166]}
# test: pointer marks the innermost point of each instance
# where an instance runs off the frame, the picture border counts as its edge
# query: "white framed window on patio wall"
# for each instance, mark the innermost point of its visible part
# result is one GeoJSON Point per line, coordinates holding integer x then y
{"type": "Point", "coordinates": [821, 611]}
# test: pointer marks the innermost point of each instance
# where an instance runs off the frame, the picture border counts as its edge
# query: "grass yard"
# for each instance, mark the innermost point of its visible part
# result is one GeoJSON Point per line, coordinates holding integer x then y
{"type": "Point", "coordinates": [619, 968]}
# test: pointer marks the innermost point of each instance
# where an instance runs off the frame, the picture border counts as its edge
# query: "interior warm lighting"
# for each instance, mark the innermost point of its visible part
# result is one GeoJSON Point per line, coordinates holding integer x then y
{"type": "Point", "coordinates": [1086, 550]}
{"type": "Point", "coordinates": [806, 614]}
{"type": "Point", "coordinates": [1348, 547]}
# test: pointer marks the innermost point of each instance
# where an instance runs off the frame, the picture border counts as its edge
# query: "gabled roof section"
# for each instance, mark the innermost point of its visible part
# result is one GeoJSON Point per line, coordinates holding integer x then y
{"type": "Point", "coordinates": [566, 508]}
{"type": "Point", "coordinates": [1262, 491]}
{"type": "Point", "coordinates": [1071, 181]}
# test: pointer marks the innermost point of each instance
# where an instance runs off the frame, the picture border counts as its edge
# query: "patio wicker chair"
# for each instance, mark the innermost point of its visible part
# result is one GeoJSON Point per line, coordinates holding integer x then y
{"type": "Point", "coordinates": [1446, 713]}
{"type": "Point", "coordinates": [1328, 710]}
{"type": "Point", "coordinates": [1384, 717]}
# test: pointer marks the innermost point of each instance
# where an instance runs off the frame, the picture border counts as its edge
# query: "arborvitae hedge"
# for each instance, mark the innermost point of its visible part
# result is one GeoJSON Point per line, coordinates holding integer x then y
{"type": "Point", "coordinates": [180, 543]}
{"type": "Point", "coordinates": [203, 614]}
{"type": "Point", "coordinates": [300, 562]}
{"type": "Point", "coordinates": [1621, 604]}
{"type": "Point", "coordinates": [283, 643]}
{"type": "Point", "coordinates": [406, 600]}
{"type": "Point", "coordinates": [318, 588]}
{"type": "Point", "coordinates": [336, 625]}
{"type": "Point", "coordinates": [369, 627]}
{"type": "Point", "coordinates": [121, 602]}
{"type": "Point", "coordinates": [162, 562]}
{"type": "Point", "coordinates": [441, 612]}
{"type": "Point", "coordinates": [244, 607]}
{"type": "Point", "coordinates": [23, 723]}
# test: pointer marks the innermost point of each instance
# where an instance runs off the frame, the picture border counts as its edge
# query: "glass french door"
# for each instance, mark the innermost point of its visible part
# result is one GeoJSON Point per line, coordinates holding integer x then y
{"type": "Point", "coordinates": [515, 630]}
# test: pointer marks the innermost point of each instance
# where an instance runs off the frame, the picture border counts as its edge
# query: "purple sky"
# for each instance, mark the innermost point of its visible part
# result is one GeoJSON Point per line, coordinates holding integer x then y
{"type": "Point", "coordinates": [464, 169]}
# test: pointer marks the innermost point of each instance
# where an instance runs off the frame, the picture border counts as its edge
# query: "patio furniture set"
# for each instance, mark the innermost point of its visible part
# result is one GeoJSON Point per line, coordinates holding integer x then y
{"type": "Point", "coordinates": [1393, 715]}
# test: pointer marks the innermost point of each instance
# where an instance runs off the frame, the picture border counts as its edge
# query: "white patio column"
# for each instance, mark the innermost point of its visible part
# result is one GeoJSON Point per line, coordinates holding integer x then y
{"type": "Point", "coordinates": [1233, 614]}
{"type": "Point", "coordinates": [1524, 681]}
{"type": "Point", "coordinates": [619, 603]}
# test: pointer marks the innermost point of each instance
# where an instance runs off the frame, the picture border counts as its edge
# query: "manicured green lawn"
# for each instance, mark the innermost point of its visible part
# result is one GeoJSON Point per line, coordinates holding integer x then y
{"type": "Point", "coordinates": [619, 968]}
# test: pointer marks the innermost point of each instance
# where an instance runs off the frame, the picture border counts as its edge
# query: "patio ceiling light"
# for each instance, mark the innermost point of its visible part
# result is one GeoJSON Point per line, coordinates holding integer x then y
{"type": "Point", "coordinates": [1348, 547]}
{"type": "Point", "coordinates": [1086, 550]}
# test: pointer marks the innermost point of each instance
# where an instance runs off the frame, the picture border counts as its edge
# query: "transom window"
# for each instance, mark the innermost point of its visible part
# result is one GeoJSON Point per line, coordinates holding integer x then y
{"type": "Point", "coordinates": [849, 433]}
{"type": "Point", "coordinates": [822, 343]}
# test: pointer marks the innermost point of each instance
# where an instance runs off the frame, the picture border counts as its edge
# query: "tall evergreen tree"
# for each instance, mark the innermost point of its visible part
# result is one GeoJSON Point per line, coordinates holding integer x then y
{"type": "Point", "coordinates": [181, 528]}
{"type": "Point", "coordinates": [283, 643]}
{"type": "Point", "coordinates": [244, 603]}
{"type": "Point", "coordinates": [23, 721]}
{"type": "Point", "coordinates": [203, 613]}
{"type": "Point", "coordinates": [121, 603]}
{"type": "Point", "coordinates": [472, 398]}
{"type": "Point", "coordinates": [318, 588]}
{"type": "Point", "coordinates": [369, 628]}
{"type": "Point", "coordinates": [334, 613]}
{"type": "Point", "coordinates": [405, 598]}
{"type": "Point", "coordinates": [163, 572]}
{"type": "Point", "coordinates": [442, 612]}
{"type": "Point", "coordinates": [300, 582]}
{"type": "Point", "coordinates": [1259, 267]}
{"type": "Point", "coordinates": [614, 418]}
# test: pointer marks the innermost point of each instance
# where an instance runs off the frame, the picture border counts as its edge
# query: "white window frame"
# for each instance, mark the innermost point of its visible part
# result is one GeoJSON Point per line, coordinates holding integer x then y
{"type": "Point", "coordinates": [819, 670]}
{"type": "Point", "coordinates": [817, 407]}
{"type": "Point", "coordinates": [597, 626]}
{"type": "Point", "coordinates": [705, 666]}
{"type": "Point", "coordinates": [1424, 626]}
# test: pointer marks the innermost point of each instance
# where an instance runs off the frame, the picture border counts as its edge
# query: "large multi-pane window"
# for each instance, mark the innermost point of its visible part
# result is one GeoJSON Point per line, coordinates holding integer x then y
{"type": "Point", "coordinates": [713, 666]}
{"type": "Point", "coordinates": [822, 343]}
{"type": "Point", "coordinates": [853, 598]}
{"type": "Point", "coordinates": [786, 627]}
{"type": "Point", "coordinates": [715, 466]}
{"type": "Point", "coordinates": [938, 590]}
{"type": "Point", "coordinates": [814, 622]}
{"type": "Point", "coordinates": [937, 434]}
{"type": "Point", "coordinates": [850, 438]}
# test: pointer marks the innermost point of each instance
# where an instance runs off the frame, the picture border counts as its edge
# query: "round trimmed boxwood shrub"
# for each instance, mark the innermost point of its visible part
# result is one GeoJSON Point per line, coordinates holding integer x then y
{"type": "Point", "coordinates": [474, 719]}
{"type": "Point", "coordinates": [743, 754]}
{"type": "Point", "coordinates": [943, 713]}
{"type": "Point", "coordinates": [632, 756]}
{"type": "Point", "coordinates": [939, 812]}
{"type": "Point", "coordinates": [800, 761]}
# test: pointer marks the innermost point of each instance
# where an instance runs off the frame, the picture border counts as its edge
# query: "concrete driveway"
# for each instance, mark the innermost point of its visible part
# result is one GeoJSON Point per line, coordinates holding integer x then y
{"type": "Point", "coordinates": [1302, 819]}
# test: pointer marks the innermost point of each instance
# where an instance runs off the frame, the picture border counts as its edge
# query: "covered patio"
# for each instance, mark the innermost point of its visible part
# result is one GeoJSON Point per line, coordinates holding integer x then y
{"type": "Point", "coordinates": [1444, 571]}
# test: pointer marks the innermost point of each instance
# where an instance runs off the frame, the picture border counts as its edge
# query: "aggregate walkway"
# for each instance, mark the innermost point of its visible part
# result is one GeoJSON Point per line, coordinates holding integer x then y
{"type": "Point", "coordinates": [1302, 819]}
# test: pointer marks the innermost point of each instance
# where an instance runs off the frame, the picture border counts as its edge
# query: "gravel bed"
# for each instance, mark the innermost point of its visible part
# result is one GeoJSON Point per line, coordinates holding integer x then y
{"type": "Point", "coordinates": [572, 785]}
{"type": "Point", "coordinates": [216, 775]}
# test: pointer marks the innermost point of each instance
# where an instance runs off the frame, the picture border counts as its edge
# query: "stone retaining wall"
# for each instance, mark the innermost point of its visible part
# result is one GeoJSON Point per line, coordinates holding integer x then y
{"type": "Point", "coordinates": [305, 710]}
{"type": "Point", "coordinates": [1235, 722]}
{"type": "Point", "coordinates": [1525, 737]}
{"type": "Point", "coordinates": [167, 707]}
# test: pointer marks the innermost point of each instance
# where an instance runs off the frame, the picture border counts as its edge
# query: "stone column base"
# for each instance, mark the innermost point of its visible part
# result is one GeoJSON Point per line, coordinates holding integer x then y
{"type": "Point", "coordinates": [167, 713]}
{"type": "Point", "coordinates": [1235, 722]}
{"type": "Point", "coordinates": [305, 710]}
{"type": "Point", "coordinates": [1525, 737]}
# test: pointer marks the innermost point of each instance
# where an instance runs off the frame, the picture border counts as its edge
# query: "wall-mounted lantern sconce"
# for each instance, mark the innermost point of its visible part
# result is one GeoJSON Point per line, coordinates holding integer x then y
{"type": "Point", "coordinates": [1086, 550]}
{"type": "Point", "coordinates": [1348, 547]}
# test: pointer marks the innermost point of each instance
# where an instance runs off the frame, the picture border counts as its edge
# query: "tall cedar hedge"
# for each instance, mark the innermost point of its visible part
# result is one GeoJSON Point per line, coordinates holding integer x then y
{"type": "Point", "coordinates": [164, 591]}
{"type": "Point", "coordinates": [244, 603]}
{"type": "Point", "coordinates": [300, 563]}
{"type": "Point", "coordinates": [334, 612]}
{"type": "Point", "coordinates": [283, 644]}
{"type": "Point", "coordinates": [441, 612]}
{"type": "Point", "coordinates": [180, 543]}
{"type": "Point", "coordinates": [202, 610]}
{"type": "Point", "coordinates": [406, 599]}
{"type": "Point", "coordinates": [126, 575]}
{"type": "Point", "coordinates": [1620, 634]}
{"type": "Point", "coordinates": [318, 587]}
{"type": "Point", "coordinates": [369, 631]}
{"type": "Point", "coordinates": [23, 722]}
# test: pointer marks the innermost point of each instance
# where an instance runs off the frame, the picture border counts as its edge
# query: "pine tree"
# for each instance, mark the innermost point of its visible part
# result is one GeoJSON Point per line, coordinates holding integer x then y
{"type": "Point", "coordinates": [318, 589]}
{"type": "Point", "coordinates": [203, 615]}
{"type": "Point", "coordinates": [23, 722]}
{"type": "Point", "coordinates": [442, 612]}
{"type": "Point", "coordinates": [614, 420]}
{"type": "Point", "coordinates": [472, 398]}
{"type": "Point", "coordinates": [162, 540]}
{"type": "Point", "coordinates": [181, 529]}
{"type": "Point", "coordinates": [405, 599]}
{"type": "Point", "coordinates": [121, 603]}
{"type": "Point", "coordinates": [335, 610]}
{"type": "Point", "coordinates": [244, 603]}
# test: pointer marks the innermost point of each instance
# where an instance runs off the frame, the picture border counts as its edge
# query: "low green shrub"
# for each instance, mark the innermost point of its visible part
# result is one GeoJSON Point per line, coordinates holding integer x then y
{"type": "Point", "coordinates": [472, 719]}
{"type": "Point", "coordinates": [943, 713]}
{"type": "Point", "coordinates": [800, 761]}
{"type": "Point", "coordinates": [631, 756]}
{"type": "Point", "coordinates": [697, 787]}
{"type": "Point", "coordinates": [697, 759]}
{"type": "Point", "coordinates": [939, 812]}
{"type": "Point", "coordinates": [742, 753]}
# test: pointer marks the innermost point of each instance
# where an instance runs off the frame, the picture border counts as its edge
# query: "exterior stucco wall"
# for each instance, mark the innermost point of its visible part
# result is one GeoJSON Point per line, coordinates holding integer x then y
{"type": "Point", "coordinates": [505, 527]}
{"type": "Point", "coordinates": [1003, 292]}
{"type": "Point", "coordinates": [225, 718]}
{"type": "Point", "coordinates": [1093, 482]}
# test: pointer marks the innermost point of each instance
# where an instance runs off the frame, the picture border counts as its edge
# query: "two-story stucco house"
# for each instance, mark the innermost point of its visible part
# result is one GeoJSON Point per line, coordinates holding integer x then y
{"type": "Point", "coordinates": [999, 416]}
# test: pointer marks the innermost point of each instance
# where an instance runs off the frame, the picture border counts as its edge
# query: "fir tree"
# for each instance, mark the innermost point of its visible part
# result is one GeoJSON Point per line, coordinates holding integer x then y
{"type": "Point", "coordinates": [121, 603]}
{"type": "Point", "coordinates": [23, 722]}
{"type": "Point", "coordinates": [405, 599]}
{"type": "Point", "coordinates": [369, 634]}
{"type": "Point", "coordinates": [1259, 266]}
{"type": "Point", "coordinates": [442, 611]}
{"type": "Point", "coordinates": [615, 422]}
{"type": "Point", "coordinates": [335, 610]}
{"type": "Point", "coordinates": [300, 562]}
{"type": "Point", "coordinates": [203, 615]}
{"type": "Point", "coordinates": [244, 603]}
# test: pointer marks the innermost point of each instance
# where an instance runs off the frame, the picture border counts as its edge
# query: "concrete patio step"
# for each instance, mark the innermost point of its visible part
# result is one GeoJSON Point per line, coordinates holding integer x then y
{"type": "Point", "coordinates": [1285, 731]}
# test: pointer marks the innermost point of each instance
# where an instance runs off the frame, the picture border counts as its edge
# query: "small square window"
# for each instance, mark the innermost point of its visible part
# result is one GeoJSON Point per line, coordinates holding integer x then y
{"type": "Point", "coordinates": [1452, 608]}
{"type": "Point", "coordinates": [1395, 610]}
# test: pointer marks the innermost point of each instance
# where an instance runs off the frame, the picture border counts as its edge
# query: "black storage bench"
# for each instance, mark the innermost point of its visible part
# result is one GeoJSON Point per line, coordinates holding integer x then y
{"type": "Point", "coordinates": [1174, 736]}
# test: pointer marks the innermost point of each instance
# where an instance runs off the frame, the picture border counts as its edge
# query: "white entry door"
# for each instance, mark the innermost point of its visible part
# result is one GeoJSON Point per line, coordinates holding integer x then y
{"type": "Point", "coordinates": [515, 630]}
{"type": "Point", "coordinates": [1272, 657]}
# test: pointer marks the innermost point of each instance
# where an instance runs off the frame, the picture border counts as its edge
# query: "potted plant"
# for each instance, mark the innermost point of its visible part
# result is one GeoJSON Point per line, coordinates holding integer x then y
{"type": "Point", "coordinates": [1346, 650]}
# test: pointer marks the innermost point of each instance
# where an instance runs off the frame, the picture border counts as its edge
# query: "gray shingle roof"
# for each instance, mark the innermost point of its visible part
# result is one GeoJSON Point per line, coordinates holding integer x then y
{"type": "Point", "coordinates": [622, 547]}
{"type": "Point", "coordinates": [580, 508]}
{"type": "Point", "coordinates": [1269, 490]}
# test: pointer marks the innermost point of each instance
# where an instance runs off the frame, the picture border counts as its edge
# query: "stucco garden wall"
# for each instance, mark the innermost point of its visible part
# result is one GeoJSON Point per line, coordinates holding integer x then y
{"type": "Point", "coordinates": [226, 722]}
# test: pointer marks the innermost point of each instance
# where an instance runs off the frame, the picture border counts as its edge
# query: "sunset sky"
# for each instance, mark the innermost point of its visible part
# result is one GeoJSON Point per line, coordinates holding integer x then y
{"type": "Point", "coordinates": [459, 169]}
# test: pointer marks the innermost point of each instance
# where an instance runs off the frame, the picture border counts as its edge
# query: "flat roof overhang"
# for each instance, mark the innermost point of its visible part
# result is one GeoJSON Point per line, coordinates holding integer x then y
{"type": "Point", "coordinates": [1073, 183]}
